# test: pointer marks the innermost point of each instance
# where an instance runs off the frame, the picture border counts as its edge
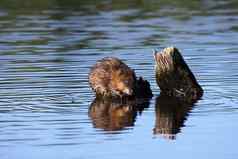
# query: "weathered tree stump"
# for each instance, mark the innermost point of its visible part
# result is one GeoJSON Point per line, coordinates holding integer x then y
{"type": "Point", "coordinates": [174, 77]}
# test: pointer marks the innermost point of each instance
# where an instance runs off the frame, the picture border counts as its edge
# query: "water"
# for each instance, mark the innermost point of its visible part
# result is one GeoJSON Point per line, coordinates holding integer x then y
{"type": "Point", "coordinates": [47, 109]}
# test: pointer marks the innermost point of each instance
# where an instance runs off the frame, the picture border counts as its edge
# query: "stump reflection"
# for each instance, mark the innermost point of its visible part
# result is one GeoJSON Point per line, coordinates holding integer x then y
{"type": "Point", "coordinates": [113, 115]}
{"type": "Point", "coordinates": [171, 114]}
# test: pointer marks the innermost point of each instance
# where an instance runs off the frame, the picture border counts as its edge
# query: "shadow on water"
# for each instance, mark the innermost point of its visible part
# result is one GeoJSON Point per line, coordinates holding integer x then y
{"type": "Point", "coordinates": [114, 115]}
{"type": "Point", "coordinates": [171, 113]}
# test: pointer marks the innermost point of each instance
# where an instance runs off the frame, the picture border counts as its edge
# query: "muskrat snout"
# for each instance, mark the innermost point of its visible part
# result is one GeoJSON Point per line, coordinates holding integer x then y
{"type": "Point", "coordinates": [128, 91]}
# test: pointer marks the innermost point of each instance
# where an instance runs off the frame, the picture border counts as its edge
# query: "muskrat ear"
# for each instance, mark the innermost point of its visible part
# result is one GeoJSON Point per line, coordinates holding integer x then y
{"type": "Point", "coordinates": [121, 72]}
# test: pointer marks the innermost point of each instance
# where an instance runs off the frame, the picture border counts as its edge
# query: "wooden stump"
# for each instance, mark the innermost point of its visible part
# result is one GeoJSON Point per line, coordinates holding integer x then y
{"type": "Point", "coordinates": [174, 77]}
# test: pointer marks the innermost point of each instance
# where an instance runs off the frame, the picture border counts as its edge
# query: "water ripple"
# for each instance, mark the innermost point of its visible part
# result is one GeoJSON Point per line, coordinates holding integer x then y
{"type": "Point", "coordinates": [48, 47]}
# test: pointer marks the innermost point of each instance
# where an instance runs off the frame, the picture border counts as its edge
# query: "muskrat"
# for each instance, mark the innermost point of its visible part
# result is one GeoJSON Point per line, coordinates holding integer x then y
{"type": "Point", "coordinates": [110, 77]}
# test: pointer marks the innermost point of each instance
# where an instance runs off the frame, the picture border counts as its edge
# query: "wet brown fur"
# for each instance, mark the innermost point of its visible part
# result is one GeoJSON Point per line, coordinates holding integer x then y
{"type": "Point", "coordinates": [111, 77]}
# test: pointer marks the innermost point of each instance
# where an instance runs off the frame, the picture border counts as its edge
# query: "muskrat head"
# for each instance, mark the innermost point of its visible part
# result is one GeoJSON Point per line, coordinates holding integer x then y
{"type": "Point", "coordinates": [123, 82]}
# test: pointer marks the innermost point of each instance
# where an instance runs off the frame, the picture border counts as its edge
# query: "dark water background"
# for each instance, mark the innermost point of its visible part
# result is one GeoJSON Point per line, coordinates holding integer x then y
{"type": "Point", "coordinates": [48, 46]}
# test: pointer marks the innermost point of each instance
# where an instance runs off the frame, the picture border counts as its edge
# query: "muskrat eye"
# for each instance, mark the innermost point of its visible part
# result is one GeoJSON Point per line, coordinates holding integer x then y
{"type": "Point", "coordinates": [126, 82]}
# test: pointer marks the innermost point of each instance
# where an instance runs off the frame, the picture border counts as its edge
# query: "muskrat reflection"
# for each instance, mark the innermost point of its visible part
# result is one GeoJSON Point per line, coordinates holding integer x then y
{"type": "Point", "coordinates": [171, 114]}
{"type": "Point", "coordinates": [113, 115]}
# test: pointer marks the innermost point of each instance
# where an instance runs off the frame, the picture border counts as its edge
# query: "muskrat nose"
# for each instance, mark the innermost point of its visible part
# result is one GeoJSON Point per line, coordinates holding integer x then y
{"type": "Point", "coordinates": [128, 91]}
